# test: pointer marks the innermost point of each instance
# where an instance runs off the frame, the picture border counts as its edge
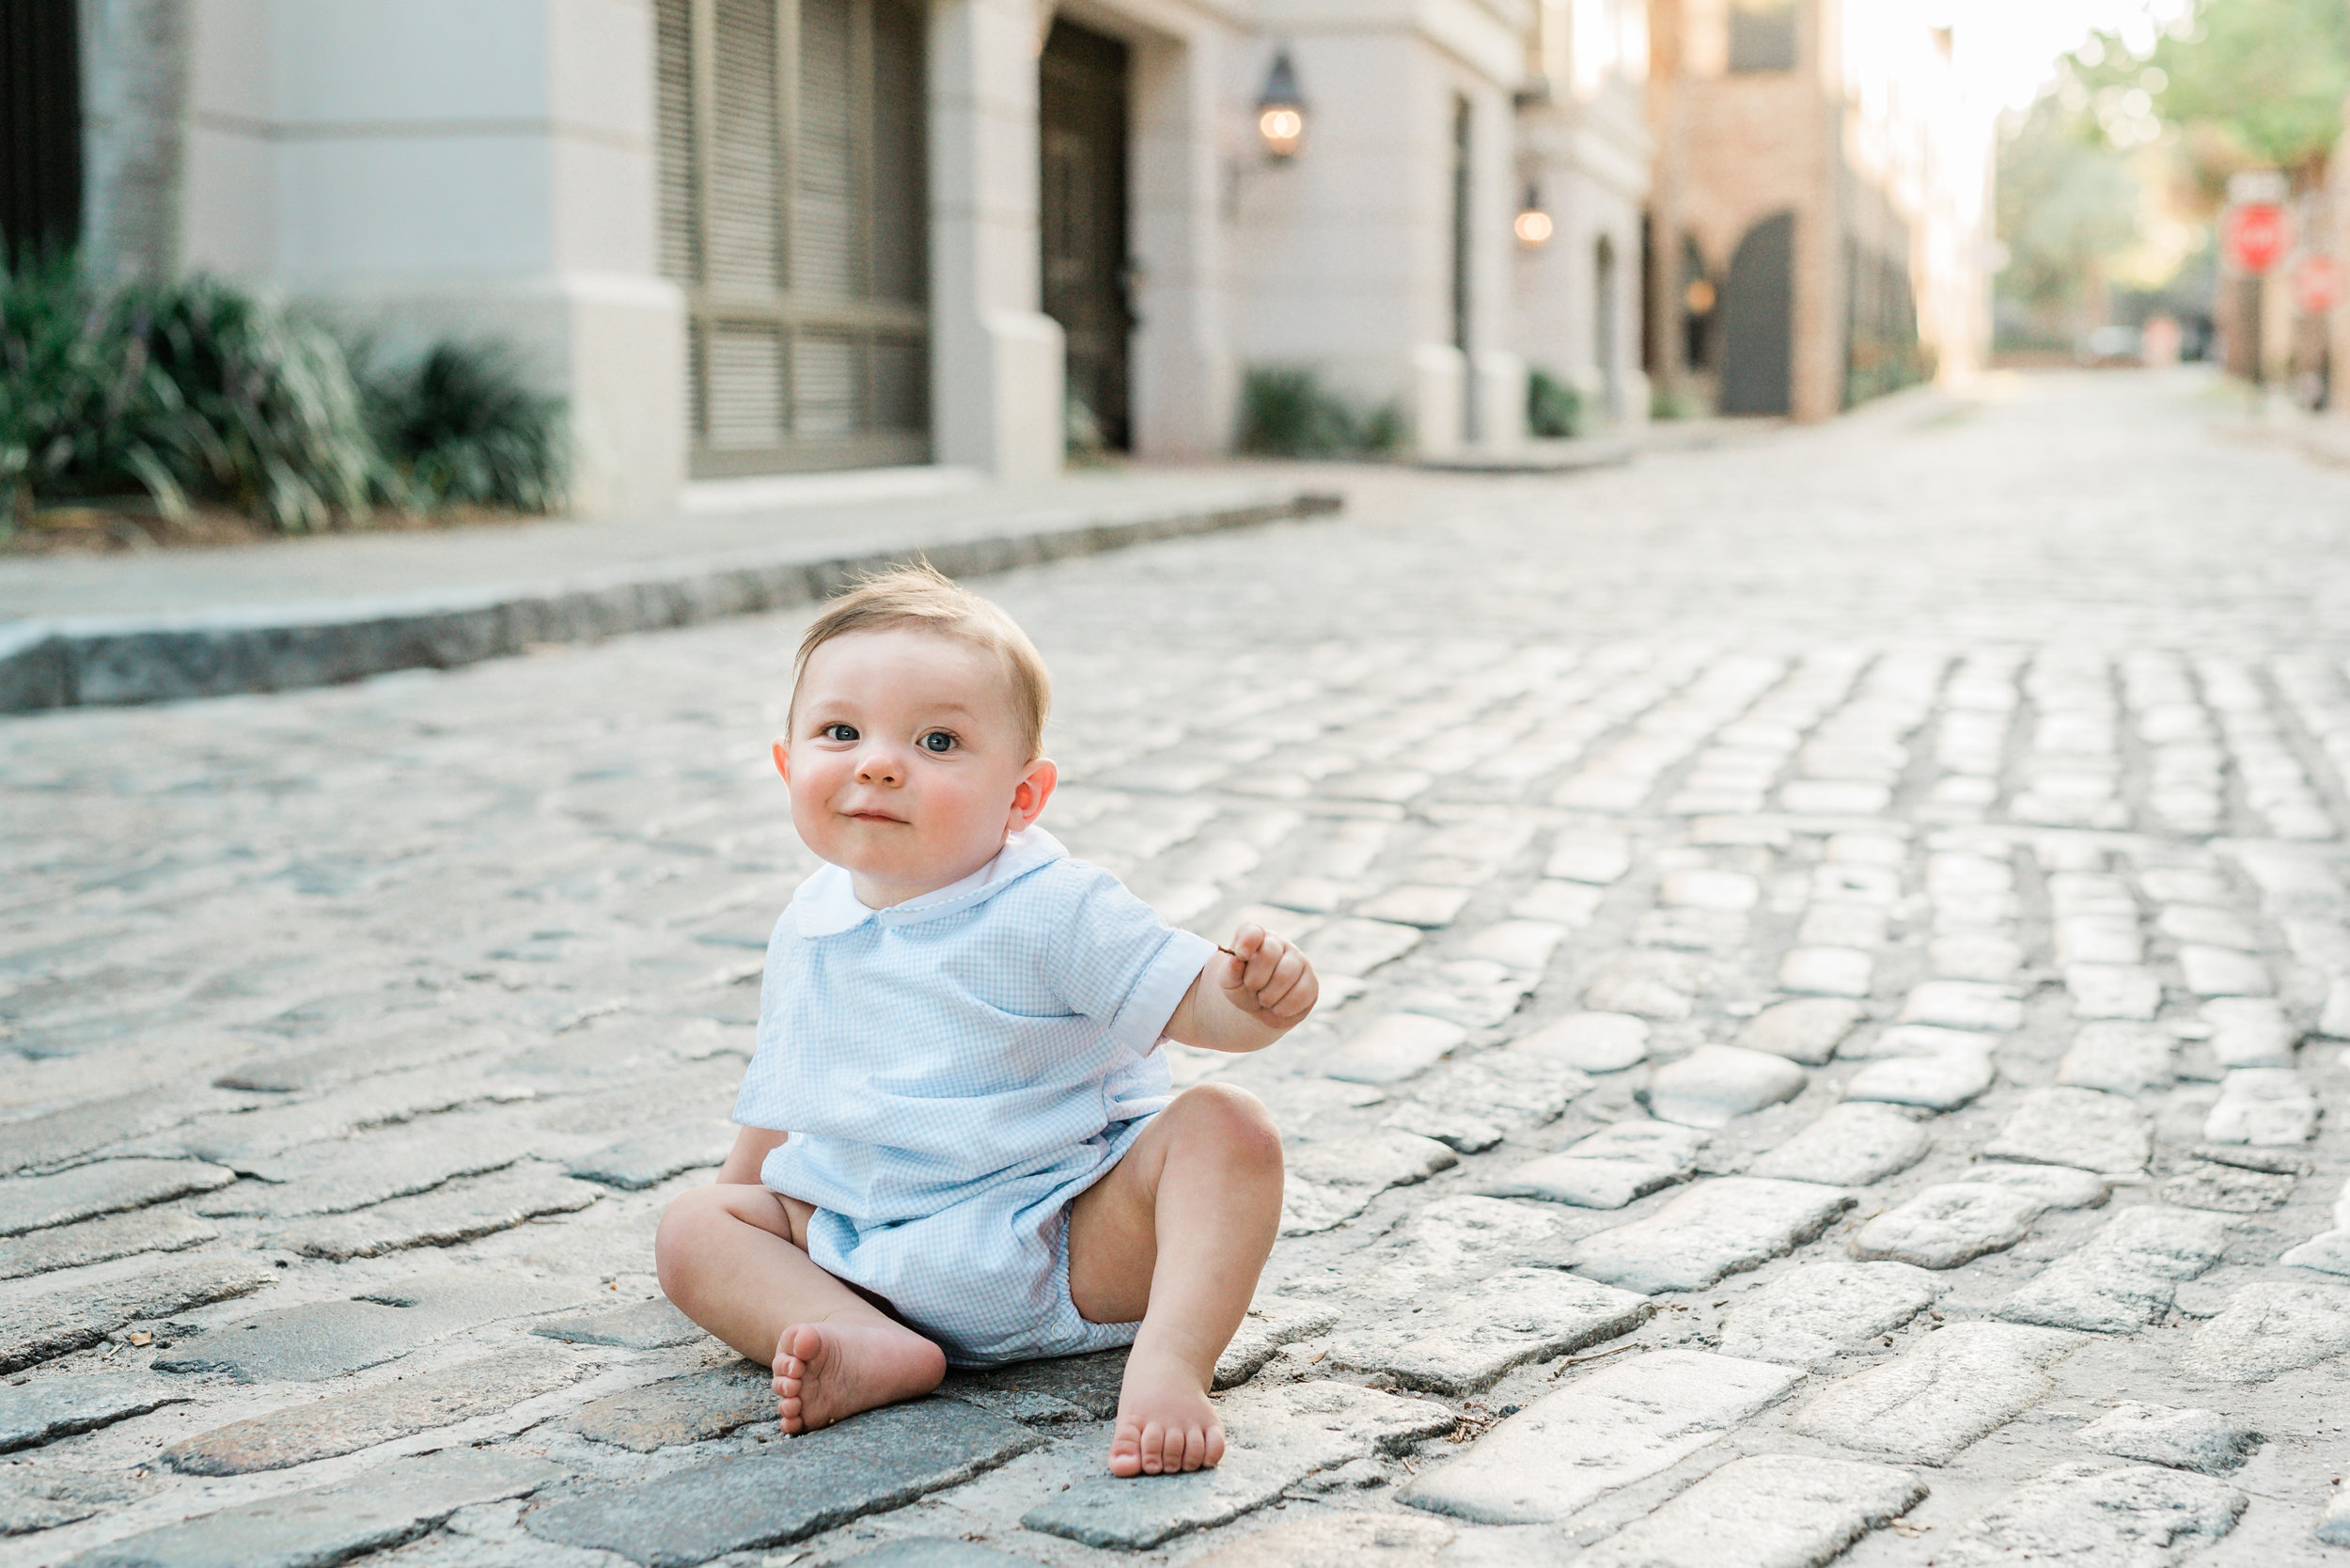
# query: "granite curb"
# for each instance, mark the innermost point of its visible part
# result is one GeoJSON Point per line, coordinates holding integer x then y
{"type": "Point", "coordinates": [95, 661]}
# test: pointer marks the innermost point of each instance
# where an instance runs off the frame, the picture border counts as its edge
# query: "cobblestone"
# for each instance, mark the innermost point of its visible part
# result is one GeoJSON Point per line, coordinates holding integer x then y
{"type": "Point", "coordinates": [1943, 1392]}
{"type": "Point", "coordinates": [2196, 1440]}
{"type": "Point", "coordinates": [32, 1203]}
{"type": "Point", "coordinates": [1717, 1228]}
{"type": "Point", "coordinates": [1608, 1170]}
{"type": "Point", "coordinates": [329, 1524]}
{"type": "Point", "coordinates": [346, 1424]}
{"type": "Point", "coordinates": [1945, 1226]}
{"type": "Point", "coordinates": [2079, 1127]}
{"type": "Point", "coordinates": [1276, 1438]}
{"type": "Point", "coordinates": [788, 1491]}
{"type": "Point", "coordinates": [1808, 1315]}
{"type": "Point", "coordinates": [1614, 1427]}
{"type": "Point", "coordinates": [34, 1413]}
{"type": "Point", "coordinates": [2126, 1277]}
{"type": "Point", "coordinates": [1852, 1145]}
{"type": "Point", "coordinates": [1503, 1321]}
{"type": "Point", "coordinates": [2270, 1328]}
{"type": "Point", "coordinates": [1772, 1511]}
{"type": "Point", "coordinates": [1979, 767]}
{"type": "Point", "coordinates": [2137, 1515]}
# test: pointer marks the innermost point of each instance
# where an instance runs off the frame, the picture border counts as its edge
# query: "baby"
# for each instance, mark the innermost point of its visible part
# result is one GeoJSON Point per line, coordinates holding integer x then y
{"type": "Point", "coordinates": [958, 1145]}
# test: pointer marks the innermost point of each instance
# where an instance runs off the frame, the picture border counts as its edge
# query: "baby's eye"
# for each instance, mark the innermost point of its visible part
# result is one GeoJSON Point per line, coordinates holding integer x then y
{"type": "Point", "coordinates": [937, 739]}
{"type": "Point", "coordinates": [841, 731]}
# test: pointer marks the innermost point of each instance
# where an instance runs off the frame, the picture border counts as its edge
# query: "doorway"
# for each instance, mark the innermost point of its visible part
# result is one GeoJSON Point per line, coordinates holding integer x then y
{"type": "Point", "coordinates": [1082, 110]}
{"type": "Point", "coordinates": [1758, 320]}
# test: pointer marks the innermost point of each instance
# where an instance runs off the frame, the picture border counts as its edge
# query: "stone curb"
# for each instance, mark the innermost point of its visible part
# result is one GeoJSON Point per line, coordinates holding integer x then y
{"type": "Point", "coordinates": [93, 660]}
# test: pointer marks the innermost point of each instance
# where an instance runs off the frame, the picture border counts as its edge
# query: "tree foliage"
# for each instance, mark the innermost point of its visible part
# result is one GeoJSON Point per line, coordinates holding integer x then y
{"type": "Point", "coordinates": [2256, 84]}
{"type": "Point", "coordinates": [2067, 208]}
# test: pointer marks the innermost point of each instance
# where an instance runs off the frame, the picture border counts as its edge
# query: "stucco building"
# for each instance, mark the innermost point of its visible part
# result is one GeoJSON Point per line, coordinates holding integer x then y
{"type": "Point", "coordinates": [752, 237]}
{"type": "Point", "coordinates": [1820, 227]}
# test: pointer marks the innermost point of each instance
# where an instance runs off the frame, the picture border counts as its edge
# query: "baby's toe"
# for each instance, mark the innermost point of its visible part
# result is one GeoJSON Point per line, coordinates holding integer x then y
{"type": "Point", "coordinates": [1195, 1448]}
{"type": "Point", "coordinates": [1126, 1451]}
{"type": "Point", "coordinates": [1154, 1449]}
{"type": "Point", "coordinates": [1213, 1454]}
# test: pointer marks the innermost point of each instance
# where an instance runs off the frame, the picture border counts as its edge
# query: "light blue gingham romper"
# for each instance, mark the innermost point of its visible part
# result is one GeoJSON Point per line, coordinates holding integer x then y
{"type": "Point", "coordinates": [953, 1072]}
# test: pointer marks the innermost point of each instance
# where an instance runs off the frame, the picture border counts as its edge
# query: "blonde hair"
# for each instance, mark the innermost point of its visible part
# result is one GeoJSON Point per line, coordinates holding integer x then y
{"type": "Point", "coordinates": [924, 598]}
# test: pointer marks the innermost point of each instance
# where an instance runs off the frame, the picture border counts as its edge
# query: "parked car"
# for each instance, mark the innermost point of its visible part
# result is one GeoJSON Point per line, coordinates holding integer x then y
{"type": "Point", "coordinates": [2111, 345]}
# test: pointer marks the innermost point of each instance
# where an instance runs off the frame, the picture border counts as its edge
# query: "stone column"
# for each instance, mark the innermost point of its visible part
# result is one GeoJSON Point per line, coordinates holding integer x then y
{"type": "Point", "coordinates": [134, 100]}
{"type": "Point", "coordinates": [996, 358]}
{"type": "Point", "coordinates": [1184, 378]}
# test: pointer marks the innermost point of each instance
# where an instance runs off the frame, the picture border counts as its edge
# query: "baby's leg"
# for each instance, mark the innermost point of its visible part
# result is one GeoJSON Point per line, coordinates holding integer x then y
{"type": "Point", "coordinates": [734, 1260]}
{"type": "Point", "coordinates": [1175, 1236]}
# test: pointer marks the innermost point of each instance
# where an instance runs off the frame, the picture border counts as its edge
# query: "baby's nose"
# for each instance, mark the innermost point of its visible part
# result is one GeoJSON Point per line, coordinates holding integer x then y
{"type": "Point", "coordinates": [878, 767]}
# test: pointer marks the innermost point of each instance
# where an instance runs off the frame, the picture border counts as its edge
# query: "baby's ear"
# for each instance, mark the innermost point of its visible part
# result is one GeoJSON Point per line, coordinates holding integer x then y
{"type": "Point", "coordinates": [783, 761]}
{"type": "Point", "coordinates": [1034, 788]}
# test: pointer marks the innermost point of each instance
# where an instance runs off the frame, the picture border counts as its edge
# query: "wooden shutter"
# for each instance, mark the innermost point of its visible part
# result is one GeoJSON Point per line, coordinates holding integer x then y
{"type": "Point", "coordinates": [794, 214]}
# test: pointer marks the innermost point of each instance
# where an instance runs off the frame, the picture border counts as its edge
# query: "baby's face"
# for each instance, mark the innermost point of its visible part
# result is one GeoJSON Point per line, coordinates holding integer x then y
{"type": "Point", "coordinates": [906, 761]}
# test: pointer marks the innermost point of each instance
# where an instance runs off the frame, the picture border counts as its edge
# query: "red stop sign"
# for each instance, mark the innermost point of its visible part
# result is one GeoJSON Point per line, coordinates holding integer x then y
{"type": "Point", "coordinates": [2316, 284]}
{"type": "Point", "coordinates": [2254, 235]}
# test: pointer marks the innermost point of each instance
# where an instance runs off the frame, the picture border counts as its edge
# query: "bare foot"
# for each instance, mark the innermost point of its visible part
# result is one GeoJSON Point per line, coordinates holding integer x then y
{"type": "Point", "coordinates": [1164, 1423]}
{"type": "Point", "coordinates": [828, 1371]}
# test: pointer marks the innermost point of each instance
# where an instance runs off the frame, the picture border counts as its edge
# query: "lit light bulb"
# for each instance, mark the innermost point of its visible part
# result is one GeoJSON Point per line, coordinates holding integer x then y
{"type": "Point", "coordinates": [1282, 129]}
{"type": "Point", "coordinates": [1533, 229]}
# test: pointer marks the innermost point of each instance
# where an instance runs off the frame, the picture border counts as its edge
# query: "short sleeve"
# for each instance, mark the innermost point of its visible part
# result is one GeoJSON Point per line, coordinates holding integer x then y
{"type": "Point", "coordinates": [1115, 959]}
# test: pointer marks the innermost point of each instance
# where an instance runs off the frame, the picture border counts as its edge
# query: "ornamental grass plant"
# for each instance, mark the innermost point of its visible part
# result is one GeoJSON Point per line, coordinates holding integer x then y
{"type": "Point", "coordinates": [193, 392]}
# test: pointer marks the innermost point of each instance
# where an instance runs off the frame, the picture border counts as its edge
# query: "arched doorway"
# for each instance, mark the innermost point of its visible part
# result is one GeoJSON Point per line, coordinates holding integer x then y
{"type": "Point", "coordinates": [1758, 320]}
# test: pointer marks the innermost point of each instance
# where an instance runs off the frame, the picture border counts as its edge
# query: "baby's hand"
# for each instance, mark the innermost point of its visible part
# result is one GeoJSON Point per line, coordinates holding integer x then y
{"type": "Point", "coordinates": [1266, 977]}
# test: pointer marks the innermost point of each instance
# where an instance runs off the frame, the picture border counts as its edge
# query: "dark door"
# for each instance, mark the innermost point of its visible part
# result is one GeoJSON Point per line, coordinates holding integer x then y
{"type": "Point", "coordinates": [1758, 320]}
{"type": "Point", "coordinates": [1082, 123]}
{"type": "Point", "coordinates": [40, 128]}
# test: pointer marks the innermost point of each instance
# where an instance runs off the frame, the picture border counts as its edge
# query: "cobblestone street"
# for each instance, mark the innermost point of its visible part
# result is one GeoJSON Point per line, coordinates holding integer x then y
{"type": "Point", "coordinates": [1836, 1044]}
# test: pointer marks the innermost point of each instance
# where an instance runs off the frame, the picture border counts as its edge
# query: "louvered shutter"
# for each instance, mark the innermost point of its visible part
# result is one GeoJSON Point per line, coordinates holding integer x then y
{"type": "Point", "coordinates": [793, 212]}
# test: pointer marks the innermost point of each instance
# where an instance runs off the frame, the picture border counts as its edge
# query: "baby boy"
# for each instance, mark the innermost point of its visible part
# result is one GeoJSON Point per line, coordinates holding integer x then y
{"type": "Point", "coordinates": [958, 1145]}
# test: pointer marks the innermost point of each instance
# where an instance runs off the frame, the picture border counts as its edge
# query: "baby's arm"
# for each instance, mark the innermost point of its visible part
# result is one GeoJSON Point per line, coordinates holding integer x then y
{"type": "Point", "coordinates": [1250, 994]}
{"type": "Point", "coordinates": [752, 1145]}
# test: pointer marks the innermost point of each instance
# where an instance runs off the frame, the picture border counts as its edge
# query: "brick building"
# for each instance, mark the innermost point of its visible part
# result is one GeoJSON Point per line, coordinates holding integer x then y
{"type": "Point", "coordinates": [1821, 214]}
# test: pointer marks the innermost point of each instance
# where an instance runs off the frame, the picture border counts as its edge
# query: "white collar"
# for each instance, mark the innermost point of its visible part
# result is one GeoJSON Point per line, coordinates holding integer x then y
{"type": "Point", "coordinates": [826, 903]}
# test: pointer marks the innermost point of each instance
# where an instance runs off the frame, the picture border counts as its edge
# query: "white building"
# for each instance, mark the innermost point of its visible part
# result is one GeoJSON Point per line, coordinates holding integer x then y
{"type": "Point", "coordinates": [760, 236]}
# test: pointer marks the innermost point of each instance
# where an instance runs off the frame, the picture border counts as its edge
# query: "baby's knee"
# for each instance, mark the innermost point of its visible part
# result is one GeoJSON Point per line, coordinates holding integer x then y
{"type": "Point", "coordinates": [1235, 1121]}
{"type": "Point", "coordinates": [689, 1227]}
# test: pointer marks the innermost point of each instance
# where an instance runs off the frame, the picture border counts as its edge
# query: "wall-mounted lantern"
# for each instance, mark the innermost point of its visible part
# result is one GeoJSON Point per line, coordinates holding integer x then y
{"type": "Point", "coordinates": [1281, 111]}
{"type": "Point", "coordinates": [1532, 225]}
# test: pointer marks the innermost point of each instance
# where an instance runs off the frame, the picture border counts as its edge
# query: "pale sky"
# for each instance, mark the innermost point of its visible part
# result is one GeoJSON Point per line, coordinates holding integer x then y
{"type": "Point", "coordinates": [2012, 45]}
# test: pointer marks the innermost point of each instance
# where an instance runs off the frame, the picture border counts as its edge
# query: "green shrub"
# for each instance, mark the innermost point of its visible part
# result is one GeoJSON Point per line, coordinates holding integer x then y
{"type": "Point", "coordinates": [1285, 411]}
{"type": "Point", "coordinates": [460, 426]}
{"type": "Point", "coordinates": [1387, 429]}
{"type": "Point", "coordinates": [194, 391]}
{"type": "Point", "coordinates": [1663, 404]}
{"type": "Point", "coordinates": [1554, 409]}
{"type": "Point", "coordinates": [244, 404]}
{"type": "Point", "coordinates": [53, 386]}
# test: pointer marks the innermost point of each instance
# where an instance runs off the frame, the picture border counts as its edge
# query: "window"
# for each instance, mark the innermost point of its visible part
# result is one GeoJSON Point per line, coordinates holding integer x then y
{"type": "Point", "coordinates": [1762, 35]}
{"type": "Point", "coordinates": [793, 212]}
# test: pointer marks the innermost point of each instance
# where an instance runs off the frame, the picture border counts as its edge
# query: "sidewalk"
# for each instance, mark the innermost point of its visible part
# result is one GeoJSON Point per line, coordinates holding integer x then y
{"type": "Point", "coordinates": [90, 630]}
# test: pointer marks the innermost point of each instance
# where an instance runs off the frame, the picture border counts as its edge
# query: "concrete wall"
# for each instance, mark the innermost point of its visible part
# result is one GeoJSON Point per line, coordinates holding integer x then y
{"type": "Point", "coordinates": [1343, 258]}
{"type": "Point", "coordinates": [456, 167]}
